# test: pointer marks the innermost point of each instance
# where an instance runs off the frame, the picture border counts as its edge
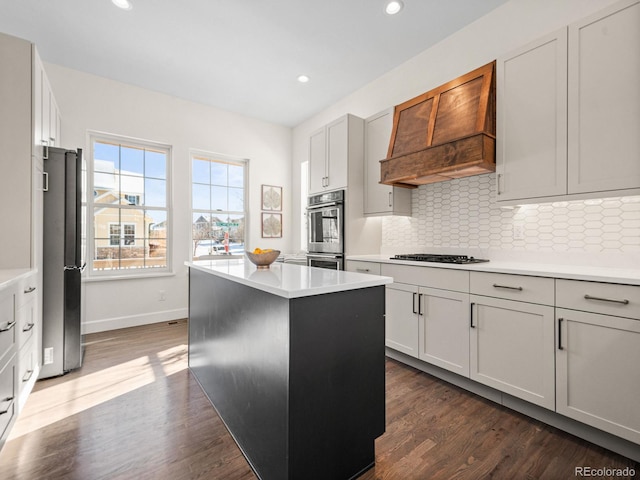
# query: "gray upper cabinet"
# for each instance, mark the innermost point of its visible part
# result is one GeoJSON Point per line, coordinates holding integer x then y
{"type": "Point", "coordinates": [381, 199]}
{"type": "Point", "coordinates": [569, 112]}
{"type": "Point", "coordinates": [531, 157]}
{"type": "Point", "coordinates": [334, 150]}
{"type": "Point", "coordinates": [604, 100]}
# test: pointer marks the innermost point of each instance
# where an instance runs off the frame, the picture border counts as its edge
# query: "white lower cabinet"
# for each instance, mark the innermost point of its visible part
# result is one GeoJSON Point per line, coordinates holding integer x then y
{"type": "Point", "coordinates": [427, 315]}
{"type": "Point", "coordinates": [401, 318]}
{"type": "Point", "coordinates": [512, 348]}
{"type": "Point", "coordinates": [572, 347]}
{"type": "Point", "coordinates": [597, 356]}
{"type": "Point", "coordinates": [444, 329]}
{"type": "Point", "coordinates": [512, 335]}
{"type": "Point", "coordinates": [598, 380]}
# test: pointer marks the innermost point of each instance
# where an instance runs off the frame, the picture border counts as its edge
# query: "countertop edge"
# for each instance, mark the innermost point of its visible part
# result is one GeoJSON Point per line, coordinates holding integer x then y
{"type": "Point", "coordinates": [9, 276]}
{"type": "Point", "coordinates": [567, 272]}
{"type": "Point", "coordinates": [335, 281]}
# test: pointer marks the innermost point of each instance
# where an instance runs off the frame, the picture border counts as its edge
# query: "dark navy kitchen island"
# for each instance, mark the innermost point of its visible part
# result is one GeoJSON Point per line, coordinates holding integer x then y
{"type": "Point", "coordinates": [292, 358]}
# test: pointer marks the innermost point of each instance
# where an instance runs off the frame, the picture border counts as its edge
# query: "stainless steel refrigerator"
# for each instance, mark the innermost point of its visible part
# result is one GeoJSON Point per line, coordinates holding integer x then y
{"type": "Point", "coordinates": [62, 263]}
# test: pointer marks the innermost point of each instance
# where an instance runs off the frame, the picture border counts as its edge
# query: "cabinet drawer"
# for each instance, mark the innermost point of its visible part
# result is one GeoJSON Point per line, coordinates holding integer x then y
{"type": "Point", "coordinates": [27, 364]}
{"type": "Point", "coordinates": [7, 395]}
{"type": "Point", "coordinates": [513, 287]}
{"type": "Point", "coordinates": [605, 298]}
{"type": "Point", "coordinates": [363, 267]}
{"type": "Point", "coordinates": [26, 291]}
{"type": "Point", "coordinates": [25, 321]}
{"type": "Point", "coordinates": [7, 324]}
{"type": "Point", "coordinates": [443, 278]}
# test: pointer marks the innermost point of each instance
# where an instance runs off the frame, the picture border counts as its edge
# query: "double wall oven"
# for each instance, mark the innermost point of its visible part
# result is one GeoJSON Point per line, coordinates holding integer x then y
{"type": "Point", "coordinates": [325, 243]}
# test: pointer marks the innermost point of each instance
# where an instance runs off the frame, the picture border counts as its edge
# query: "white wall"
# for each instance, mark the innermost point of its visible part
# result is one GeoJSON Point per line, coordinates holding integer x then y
{"type": "Point", "coordinates": [88, 102]}
{"type": "Point", "coordinates": [506, 28]}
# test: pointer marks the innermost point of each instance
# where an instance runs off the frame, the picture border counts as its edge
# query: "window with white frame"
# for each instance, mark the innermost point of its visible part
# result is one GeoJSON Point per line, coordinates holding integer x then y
{"type": "Point", "coordinates": [218, 190]}
{"type": "Point", "coordinates": [129, 211]}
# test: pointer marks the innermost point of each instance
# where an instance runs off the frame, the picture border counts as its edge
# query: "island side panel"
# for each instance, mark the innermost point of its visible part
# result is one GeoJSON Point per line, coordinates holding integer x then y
{"type": "Point", "coordinates": [239, 351]}
{"type": "Point", "coordinates": [337, 382]}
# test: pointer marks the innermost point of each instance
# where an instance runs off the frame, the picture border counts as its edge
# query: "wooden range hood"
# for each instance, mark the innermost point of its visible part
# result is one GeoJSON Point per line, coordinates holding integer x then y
{"type": "Point", "coordinates": [448, 132]}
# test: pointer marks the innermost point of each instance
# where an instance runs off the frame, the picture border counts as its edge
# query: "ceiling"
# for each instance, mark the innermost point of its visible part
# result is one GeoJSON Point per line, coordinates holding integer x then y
{"type": "Point", "coordinates": [239, 55]}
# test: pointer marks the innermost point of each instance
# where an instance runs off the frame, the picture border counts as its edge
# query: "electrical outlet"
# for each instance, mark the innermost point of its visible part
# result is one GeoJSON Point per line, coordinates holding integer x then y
{"type": "Point", "coordinates": [48, 355]}
{"type": "Point", "coordinates": [518, 231]}
{"type": "Point", "coordinates": [162, 295]}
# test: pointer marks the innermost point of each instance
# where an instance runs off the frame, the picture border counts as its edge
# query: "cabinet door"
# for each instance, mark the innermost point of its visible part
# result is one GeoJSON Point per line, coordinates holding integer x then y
{"type": "Point", "coordinates": [512, 348]}
{"type": "Point", "coordinates": [604, 100]}
{"type": "Point", "coordinates": [401, 318]}
{"type": "Point", "coordinates": [598, 380]}
{"type": "Point", "coordinates": [46, 110]}
{"type": "Point", "coordinates": [53, 122]}
{"type": "Point", "coordinates": [37, 73]}
{"type": "Point", "coordinates": [317, 161]}
{"type": "Point", "coordinates": [531, 157]}
{"type": "Point", "coordinates": [381, 199]}
{"type": "Point", "coordinates": [444, 329]}
{"type": "Point", "coordinates": [337, 153]}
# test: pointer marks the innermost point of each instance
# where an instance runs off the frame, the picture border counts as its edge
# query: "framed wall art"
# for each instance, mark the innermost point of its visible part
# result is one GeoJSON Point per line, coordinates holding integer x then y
{"type": "Point", "coordinates": [271, 198]}
{"type": "Point", "coordinates": [271, 225]}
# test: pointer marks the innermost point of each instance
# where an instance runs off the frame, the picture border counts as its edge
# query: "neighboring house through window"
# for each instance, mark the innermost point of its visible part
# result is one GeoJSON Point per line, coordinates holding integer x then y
{"type": "Point", "coordinates": [129, 211]}
{"type": "Point", "coordinates": [218, 188]}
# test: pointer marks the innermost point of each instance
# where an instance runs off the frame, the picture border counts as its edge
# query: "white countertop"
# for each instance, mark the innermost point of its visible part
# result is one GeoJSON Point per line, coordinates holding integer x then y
{"type": "Point", "coordinates": [288, 280]}
{"type": "Point", "coordinates": [7, 277]}
{"type": "Point", "coordinates": [570, 272]}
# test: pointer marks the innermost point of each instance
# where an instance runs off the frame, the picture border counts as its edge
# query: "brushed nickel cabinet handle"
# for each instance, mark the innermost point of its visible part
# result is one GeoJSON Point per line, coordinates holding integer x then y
{"type": "Point", "coordinates": [495, 285]}
{"type": "Point", "coordinates": [363, 270]}
{"type": "Point", "coordinates": [8, 327]}
{"type": "Point", "coordinates": [498, 183]}
{"type": "Point", "coordinates": [30, 289]}
{"type": "Point", "coordinates": [28, 327]}
{"type": "Point", "coordinates": [27, 376]}
{"type": "Point", "coordinates": [8, 399]}
{"type": "Point", "coordinates": [612, 300]}
{"type": "Point", "coordinates": [390, 199]}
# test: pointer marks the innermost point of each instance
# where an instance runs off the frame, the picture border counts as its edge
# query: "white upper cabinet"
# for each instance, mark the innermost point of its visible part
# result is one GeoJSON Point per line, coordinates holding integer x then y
{"type": "Point", "coordinates": [46, 115]}
{"type": "Point", "coordinates": [568, 112]}
{"type": "Point", "coordinates": [381, 199]}
{"type": "Point", "coordinates": [531, 157]}
{"type": "Point", "coordinates": [604, 100]}
{"type": "Point", "coordinates": [317, 161]}
{"type": "Point", "coordinates": [331, 149]}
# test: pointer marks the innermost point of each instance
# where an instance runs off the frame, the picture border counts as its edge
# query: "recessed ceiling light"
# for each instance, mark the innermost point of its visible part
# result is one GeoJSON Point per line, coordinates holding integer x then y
{"type": "Point", "coordinates": [123, 4]}
{"type": "Point", "coordinates": [394, 7]}
{"type": "Point", "coordinates": [303, 78]}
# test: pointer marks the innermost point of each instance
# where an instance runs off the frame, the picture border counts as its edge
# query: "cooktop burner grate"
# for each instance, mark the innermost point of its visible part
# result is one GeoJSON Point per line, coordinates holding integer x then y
{"type": "Point", "coordinates": [438, 258]}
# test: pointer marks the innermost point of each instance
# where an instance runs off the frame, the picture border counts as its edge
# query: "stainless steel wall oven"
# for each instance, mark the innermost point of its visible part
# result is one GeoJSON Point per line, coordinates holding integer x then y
{"type": "Point", "coordinates": [325, 216]}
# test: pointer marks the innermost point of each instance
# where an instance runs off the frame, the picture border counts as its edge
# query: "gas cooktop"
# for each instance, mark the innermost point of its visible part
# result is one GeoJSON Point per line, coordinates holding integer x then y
{"type": "Point", "coordinates": [437, 258]}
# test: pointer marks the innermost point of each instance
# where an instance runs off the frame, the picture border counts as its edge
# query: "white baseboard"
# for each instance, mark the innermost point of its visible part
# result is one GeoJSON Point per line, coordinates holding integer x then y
{"type": "Point", "coordinates": [115, 323]}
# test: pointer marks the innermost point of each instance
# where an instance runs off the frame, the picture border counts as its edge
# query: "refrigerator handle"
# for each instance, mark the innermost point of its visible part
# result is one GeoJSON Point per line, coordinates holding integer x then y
{"type": "Point", "coordinates": [45, 182]}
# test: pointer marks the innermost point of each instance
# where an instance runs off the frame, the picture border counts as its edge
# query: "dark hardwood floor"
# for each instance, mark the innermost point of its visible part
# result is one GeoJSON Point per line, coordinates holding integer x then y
{"type": "Point", "coordinates": [133, 411]}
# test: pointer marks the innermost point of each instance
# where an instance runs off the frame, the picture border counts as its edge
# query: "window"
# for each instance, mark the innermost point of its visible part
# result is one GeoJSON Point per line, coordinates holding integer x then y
{"type": "Point", "coordinates": [132, 199]}
{"type": "Point", "coordinates": [122, 236]}
{"type": "Point", "coordinates": [129, 209]}
{"type": "Point", "coordinates": [218, 190]}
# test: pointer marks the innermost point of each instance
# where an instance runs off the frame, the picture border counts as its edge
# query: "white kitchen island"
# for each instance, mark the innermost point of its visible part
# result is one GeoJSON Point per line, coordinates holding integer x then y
{"type": "Point", "coordinates": [292, 358]}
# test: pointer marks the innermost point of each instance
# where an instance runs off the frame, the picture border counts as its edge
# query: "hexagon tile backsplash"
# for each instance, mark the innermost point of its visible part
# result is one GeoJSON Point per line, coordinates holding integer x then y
{"type": "Point", "coordinates": [463, 214]}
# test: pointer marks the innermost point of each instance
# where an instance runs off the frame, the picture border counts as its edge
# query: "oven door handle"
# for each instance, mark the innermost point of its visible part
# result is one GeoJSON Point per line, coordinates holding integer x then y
{"type": "Point", "coordinates": [323, 205]}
